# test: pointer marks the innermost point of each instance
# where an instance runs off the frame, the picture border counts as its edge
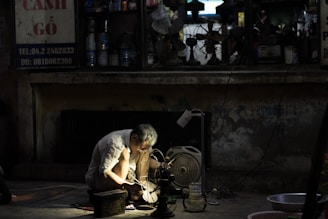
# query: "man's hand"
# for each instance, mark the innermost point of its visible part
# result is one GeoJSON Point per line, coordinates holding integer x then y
{"type": "Point", "coordinates": [129, 183]}
{"type": "Point", "coordinates": [132, 186]}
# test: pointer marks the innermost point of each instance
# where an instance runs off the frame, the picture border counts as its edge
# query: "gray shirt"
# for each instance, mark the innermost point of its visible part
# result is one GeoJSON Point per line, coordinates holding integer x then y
{"type": "Point", "coordinates": [107, 152]}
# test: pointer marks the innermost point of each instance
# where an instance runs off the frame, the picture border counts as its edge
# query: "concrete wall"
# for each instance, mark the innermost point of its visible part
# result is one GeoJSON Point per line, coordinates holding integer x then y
{"type": "Point", "coordinates": [262, 135]}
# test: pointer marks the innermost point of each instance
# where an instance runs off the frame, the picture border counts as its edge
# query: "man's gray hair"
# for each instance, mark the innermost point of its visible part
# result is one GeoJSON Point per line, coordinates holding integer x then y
{"type": "Point", "coordinates": [146, 132]}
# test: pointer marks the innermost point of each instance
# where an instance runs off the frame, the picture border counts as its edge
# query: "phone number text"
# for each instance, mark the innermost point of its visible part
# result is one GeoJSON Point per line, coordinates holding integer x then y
{"type": "Point", "coordinates": [46, 51]}
{"type": "Point", "coordinates": [45, 61]}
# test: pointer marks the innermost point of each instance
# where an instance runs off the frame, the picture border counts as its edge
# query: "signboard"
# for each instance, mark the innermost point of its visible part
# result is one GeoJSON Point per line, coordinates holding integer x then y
{"type": "Point", "coordinates": [324, 32]}
{"type": "Point", "coordinates": [45, 34]}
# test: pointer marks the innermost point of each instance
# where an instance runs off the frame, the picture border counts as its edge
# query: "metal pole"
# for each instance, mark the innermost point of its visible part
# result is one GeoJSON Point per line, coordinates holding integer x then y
{"type": "Point", "coordinates": [142, 21]}
{"type": "Point", "coordinates": [310, 205]}
{"type": "Point", "coordinates": [203, 152]}
{"type": "Point", "coordinates": [249, 10]}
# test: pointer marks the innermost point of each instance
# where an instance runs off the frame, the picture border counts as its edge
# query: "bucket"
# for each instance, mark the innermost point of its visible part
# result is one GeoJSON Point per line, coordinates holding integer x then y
{"type": "Point", "coordinates": [274, 215]}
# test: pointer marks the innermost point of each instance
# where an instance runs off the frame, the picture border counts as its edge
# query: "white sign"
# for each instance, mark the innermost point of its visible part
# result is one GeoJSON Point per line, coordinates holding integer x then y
{"type": "Point", "coordinates": [45, 33]}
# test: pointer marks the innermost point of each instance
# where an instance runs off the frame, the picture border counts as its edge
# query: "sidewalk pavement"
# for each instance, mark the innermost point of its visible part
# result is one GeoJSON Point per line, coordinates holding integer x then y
{"type": "Point", "coordinates": [55, 200]}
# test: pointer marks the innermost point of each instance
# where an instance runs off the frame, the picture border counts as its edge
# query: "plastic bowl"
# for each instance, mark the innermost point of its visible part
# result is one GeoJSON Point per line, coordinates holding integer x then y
{"type": "Point", "coordinates": [274, 215]}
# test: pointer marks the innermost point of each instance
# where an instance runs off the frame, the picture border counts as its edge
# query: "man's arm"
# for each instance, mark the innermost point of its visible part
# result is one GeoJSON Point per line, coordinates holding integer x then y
{"type": "Point", "coordinates": [154, 164]}
{"type": "Point", "coordinates": [120, 170]}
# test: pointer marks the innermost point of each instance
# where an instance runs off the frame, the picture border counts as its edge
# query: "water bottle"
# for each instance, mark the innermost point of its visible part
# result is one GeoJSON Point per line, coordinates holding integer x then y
{"type": "Point", "coordinates": [196, 201]}
{"type": "Point", "coordinates": [103, 44]}
{"type": "Point", "coordinates": [90, 43]}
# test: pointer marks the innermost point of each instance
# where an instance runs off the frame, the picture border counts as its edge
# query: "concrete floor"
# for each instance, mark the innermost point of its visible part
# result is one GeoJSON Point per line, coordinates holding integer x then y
{"type": "Point", "coordinates": [43, 199]}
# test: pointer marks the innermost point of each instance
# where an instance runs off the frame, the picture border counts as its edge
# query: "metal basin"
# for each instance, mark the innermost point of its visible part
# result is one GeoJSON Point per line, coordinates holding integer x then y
{"type": "Point", "coordinates": [291, 202]}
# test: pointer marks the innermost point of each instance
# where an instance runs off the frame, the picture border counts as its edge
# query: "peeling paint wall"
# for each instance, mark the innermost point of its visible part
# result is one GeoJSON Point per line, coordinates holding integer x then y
{"type": "Point", "coordinates": [267, 129]}
{"type": "Point", "coordinates": [279, 126]}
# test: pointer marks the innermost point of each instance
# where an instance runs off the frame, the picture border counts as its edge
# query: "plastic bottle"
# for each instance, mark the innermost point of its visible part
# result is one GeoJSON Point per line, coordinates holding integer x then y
{"type": "Point", "coordinates": [150, 51]}
{"type": "Point", "coordinates": [103, 44]}
{"type": "Point", "coordinates": [117, 5]}
{"type": "Point", "coordinates": [90, 43]}
{"type": "Point", "coordinates": [196, 199]}
{"type": "Point", "coordinates": [124, 6]}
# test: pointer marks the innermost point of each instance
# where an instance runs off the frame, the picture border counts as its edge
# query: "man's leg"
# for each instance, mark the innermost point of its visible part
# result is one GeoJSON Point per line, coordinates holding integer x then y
{"type": "Point", "coordinates": [105, 184]}
{"type": "Point", "coordinates": [143, 166]}
{"type": "Point", "coordinates": [142, 169]}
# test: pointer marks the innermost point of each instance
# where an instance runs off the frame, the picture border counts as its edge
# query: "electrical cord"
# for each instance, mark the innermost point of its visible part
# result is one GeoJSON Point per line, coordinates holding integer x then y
{"type": "Point", "coordinates": [149, 191]}
{"type": "Point", "coordinates": [49, 187]}
{"type": "Point", "coordinates": [275, 127]}
{"type": "Point", "coordinates": [158, 151]}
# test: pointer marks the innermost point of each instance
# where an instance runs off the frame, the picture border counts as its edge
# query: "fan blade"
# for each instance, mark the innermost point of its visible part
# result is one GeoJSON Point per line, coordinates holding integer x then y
{"type": "Point", "coordinates": [216, 37]}
{"type": "Point", "coordinates": [201, 36]}
{"type": "Point", "coordinates": [210, 46]}
{"type": "Point", "coordinates": [186, 167]}
{"type": "Point", "coordinates": [210, 26]}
